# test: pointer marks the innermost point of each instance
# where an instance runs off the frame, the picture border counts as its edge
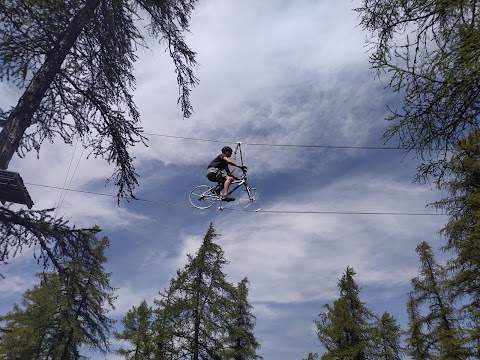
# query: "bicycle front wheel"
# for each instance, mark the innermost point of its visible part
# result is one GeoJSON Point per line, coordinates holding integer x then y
{"type": "Point", "coordinates": [202, 197]}
{"type": "Point", "coordinates": [251, 199]}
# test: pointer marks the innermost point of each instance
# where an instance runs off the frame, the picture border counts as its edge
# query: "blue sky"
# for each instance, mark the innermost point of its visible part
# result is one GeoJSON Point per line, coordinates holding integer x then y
{"type": "Point", "coordinates": [271, 72]}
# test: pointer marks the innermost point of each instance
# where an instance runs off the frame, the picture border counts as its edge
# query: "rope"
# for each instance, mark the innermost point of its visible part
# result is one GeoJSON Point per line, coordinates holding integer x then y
{"type": "Point", "coordinates": [235, 155]}
{"type": "Point", "coordinates": [63, 193]}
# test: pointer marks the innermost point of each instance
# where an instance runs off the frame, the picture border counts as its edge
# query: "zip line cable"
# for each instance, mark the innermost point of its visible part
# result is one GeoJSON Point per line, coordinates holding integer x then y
{"type": "Point", "coordinates": [108, 195]}
{"type": "Point", "coordinates": [339, 212]}
{"type": "Point", "coordinates": [260, 211]}
{"type": "Point", "coordinates": [279, 145]}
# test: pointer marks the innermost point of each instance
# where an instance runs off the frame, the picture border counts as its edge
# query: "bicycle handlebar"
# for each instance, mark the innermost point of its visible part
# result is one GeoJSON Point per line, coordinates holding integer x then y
{"type": "Point", "coordinates": [244, 172]}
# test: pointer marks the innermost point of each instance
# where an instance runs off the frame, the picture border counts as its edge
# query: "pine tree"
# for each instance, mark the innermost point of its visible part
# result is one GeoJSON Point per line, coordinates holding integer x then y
{"type": "Point", "coordinates": [201, 315]}
{"type": "Point", "coordinates": [418, 343]}
{"type": "Point", "coordinates": [137, 330]}
{"type": "Point", "coordinates": [463, 234]}
{"type": "Point", "coordinates": [66, 310]}
{"type": "Point", "coordinates": [387, 337]}
{"type": "Point", "coordinates": [240, 343]}
{"type": "Point", "coordinates": [193, 308]}
{"type": "Point", "coordinates": [436, 333]}
{"type": "Point", "coordinates": [28, 329]}
{"type": "Point", "coordinates": [344, 329]}
{"type": "Point", "coordinates": [165, 335]}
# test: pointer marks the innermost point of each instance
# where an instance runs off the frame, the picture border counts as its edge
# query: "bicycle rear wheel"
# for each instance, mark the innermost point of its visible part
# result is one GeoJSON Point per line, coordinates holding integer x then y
{"type": "Point", "coordinates": [202, 197]}
{"type": "Point", "coordinates": [251, 199]}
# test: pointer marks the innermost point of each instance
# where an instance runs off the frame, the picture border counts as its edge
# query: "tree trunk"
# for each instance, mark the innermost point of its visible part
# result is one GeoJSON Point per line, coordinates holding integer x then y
{"type": "Point", "coordinates": [21, 116]}
{"type": "Point", "coordinates": [196, 333]}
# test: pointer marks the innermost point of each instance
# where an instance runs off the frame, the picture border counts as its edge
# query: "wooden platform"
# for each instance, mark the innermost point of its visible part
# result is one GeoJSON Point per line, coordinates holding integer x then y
{"type": "Point", "coordinates": [12, 189]}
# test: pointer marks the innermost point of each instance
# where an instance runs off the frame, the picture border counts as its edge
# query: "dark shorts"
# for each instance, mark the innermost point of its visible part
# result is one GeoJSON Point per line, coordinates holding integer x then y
{"type": "Point", "coordinates": [215, 175]}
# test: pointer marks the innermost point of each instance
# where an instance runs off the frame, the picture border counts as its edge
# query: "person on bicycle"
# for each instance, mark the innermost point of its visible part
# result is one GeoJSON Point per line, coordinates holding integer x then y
{"type": "Point", "coordinates": [218, 171]}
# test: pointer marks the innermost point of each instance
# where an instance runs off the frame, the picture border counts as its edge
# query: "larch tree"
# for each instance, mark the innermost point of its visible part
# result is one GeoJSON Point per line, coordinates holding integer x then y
{"type": "Point", "coordinates": [138, 332]}
{"type": "Point", "coordinates": [418, 342]}
{"type": "Point", "coordinates": [345, 329]}
{"type": "Point", "coordinates": [240, 342]}
{"type": "Point", "coordinates": [27, 330]}
{"type": "Point", "coordinates": [429, 50]}
{"type": "Point", "coordinates": [192, 310]}
{"type": "Point", "coordinates": [434, 331]}
{"type": "Point", "coordinates": [67, 310]}
{"type": "Point", "coordinates": [387, 338]}
{"type": "Point", "coordinates": [463, 207]}
{"type": "Point", "coordinates": [463, 234]}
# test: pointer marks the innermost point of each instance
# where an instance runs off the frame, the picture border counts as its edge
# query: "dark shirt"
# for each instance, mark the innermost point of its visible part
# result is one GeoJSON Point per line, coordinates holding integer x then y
{"type": "Point", "coordinates": [219, 163]}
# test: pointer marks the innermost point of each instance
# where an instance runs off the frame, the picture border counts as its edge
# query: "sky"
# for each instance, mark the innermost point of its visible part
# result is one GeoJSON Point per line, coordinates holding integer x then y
{"type": "Point", "coordinates": [276, 73]}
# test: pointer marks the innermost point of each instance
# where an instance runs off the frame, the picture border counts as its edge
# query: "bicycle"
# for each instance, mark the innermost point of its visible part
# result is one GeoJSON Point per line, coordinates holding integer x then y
{"type": "Point", "coordinates": [250, 199]}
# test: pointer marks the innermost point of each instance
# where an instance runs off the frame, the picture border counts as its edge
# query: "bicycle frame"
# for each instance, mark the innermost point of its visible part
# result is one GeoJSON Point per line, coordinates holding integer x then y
{"type": "Point", "coordinates": [239, 182]}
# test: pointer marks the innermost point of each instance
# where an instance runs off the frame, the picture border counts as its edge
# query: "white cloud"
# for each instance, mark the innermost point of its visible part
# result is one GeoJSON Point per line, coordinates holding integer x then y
{"type": "Point", "coordinates": [14, 285]}
{"type": "Point", "coordinates": [130, 295]}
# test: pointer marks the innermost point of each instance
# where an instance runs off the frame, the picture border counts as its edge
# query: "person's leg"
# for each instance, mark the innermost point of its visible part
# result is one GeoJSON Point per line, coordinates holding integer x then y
{"type": "Point", "coordinates": [226, 185]}
{"type": "Point", "coordinates": [221, 179]}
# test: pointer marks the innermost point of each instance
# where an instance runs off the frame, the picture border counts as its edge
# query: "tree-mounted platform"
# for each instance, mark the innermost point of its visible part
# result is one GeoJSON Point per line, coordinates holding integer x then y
{"type": "Point", "coordinates": [12, 189]}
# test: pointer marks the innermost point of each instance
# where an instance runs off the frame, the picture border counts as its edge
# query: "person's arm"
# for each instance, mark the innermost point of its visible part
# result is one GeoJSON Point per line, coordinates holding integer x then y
{"type": "Point", "coordinates": [231, 162]}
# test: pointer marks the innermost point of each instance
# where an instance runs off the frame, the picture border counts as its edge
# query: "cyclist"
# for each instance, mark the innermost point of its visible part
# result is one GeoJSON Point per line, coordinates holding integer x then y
{"type": "Point", "coordinates": [216, 169]}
